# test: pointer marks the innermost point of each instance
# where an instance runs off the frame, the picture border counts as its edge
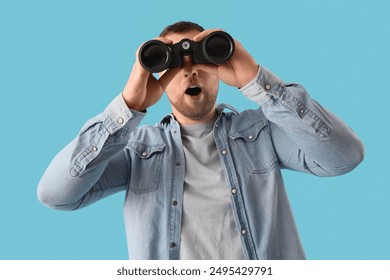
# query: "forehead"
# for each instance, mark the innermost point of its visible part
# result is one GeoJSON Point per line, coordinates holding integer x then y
{"type": "Point", "coordinates": [177, 37]}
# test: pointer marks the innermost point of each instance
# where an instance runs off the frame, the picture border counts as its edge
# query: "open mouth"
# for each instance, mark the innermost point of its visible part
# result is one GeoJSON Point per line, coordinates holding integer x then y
{"type": "Point", "coordinates": [193, 90]}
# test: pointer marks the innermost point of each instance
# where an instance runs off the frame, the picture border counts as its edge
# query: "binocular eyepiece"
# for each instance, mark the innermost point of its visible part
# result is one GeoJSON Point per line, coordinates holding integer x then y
{"type": "Point", "coordinates": [216, 48]}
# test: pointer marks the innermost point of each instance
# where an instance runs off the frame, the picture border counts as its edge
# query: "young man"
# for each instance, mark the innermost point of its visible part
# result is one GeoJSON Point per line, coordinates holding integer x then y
{"type": "Point", "coordinates": [205, 182]}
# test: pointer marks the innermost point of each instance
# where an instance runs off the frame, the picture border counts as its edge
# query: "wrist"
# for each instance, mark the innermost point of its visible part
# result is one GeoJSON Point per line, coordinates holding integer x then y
{"type": "Point", "coordinates": [252, 74]}
{"type": "Point", "coordinates": [132, 103]}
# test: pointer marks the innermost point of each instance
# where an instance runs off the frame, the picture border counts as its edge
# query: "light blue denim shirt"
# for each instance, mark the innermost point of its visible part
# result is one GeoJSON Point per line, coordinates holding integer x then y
{"type": "Point", "coordinates": [289, 130]}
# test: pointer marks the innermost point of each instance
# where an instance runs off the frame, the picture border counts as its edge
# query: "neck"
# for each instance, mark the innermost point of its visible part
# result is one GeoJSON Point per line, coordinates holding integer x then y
{"type": "Point", "coordinates": [183, 120]}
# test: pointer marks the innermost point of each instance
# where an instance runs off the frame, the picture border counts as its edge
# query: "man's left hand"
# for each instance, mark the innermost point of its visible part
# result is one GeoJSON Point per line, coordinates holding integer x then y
{"type": "Point", "coordinates": [239, 70]}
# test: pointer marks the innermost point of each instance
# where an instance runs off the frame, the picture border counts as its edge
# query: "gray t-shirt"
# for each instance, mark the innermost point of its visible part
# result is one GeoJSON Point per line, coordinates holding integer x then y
{"type": "Point", "coordinates": [209, 230]}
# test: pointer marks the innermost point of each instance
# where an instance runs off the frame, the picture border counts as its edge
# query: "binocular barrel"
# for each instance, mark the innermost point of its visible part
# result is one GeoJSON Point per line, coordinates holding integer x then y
{"type": "Point", "coordinates": [216, 48]}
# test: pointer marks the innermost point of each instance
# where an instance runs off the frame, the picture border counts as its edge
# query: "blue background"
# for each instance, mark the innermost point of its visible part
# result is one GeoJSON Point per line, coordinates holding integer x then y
{"type": "Point", "coordinates": [62, 62]}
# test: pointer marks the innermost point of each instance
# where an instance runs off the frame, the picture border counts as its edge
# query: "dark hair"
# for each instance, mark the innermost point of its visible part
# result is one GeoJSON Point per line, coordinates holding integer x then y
{"type": "Point", "coordinates": [181, 27]}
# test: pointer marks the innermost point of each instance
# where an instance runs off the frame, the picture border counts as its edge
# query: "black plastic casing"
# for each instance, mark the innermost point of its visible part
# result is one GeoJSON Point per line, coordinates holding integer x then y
{"type": "Point", "coordinates": [155, 56]}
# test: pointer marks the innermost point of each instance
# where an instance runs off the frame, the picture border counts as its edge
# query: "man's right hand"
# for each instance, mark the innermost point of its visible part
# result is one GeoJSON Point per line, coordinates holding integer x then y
{"type": "Point", "coordinates": [143, 89]}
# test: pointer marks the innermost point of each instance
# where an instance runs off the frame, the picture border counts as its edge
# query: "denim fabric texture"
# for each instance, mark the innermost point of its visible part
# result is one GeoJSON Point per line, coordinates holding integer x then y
{"type": "Point", "coordinates": [288, 131]}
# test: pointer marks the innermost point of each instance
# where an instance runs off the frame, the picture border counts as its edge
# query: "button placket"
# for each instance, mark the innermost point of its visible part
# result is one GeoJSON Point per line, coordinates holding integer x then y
{"type": "Point", "coordinates": [232, 180]}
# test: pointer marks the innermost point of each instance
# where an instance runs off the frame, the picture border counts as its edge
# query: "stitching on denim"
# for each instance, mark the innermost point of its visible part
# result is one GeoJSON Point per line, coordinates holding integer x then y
{"type": "Point", "coordinates": [154, 184]}
{"type": "Point", "coordinates": [252, 169]}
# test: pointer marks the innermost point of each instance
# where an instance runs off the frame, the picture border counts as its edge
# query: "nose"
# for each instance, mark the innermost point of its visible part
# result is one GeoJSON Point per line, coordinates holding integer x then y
{"type": "Point", "coordinates": [188, 67]}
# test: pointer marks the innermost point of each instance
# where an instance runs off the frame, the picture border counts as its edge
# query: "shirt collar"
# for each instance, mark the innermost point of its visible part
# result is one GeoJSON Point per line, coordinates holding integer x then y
{"type": "Point", "coordinates": [220, 109]}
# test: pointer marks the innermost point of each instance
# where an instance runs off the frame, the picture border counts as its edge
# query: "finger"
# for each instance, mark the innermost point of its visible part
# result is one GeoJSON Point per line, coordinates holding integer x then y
{"type": "Point", "coordinates": [204, 34]}
{"type": "Point", "coordinates": [167, 77]}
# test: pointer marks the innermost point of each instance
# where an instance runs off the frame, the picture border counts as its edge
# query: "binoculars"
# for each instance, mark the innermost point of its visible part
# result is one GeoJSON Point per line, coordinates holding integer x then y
{"type": "Point", "coordinates": [216, 48]}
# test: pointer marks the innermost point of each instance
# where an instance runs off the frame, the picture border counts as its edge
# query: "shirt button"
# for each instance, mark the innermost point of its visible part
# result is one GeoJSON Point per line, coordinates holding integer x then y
{"type": "Point", "coordinates": [267, 87]}
{"type": "Point", "coordinates": [173, 245]}
{"type": "Point", "coordinates": [243, 231]}
{"type": "Point", "coordinates": [177, 163]}
{"type": "Point", "coordinates": [224, 152]}
{"type": "Point", "coordinates": [234, 190]}
{"type": "Point", "coordinates": [121, 120]}
{"type": "Point", "coordinates": [174, 203]}
{"type": "Point", "coordinates": [250, 137]}
{"type": "Point", "coordinates": [144, 154]}
{"type": "Point", "coordinates": [94, 148]}
{"type": "Point", "coordinates": [216, 125]}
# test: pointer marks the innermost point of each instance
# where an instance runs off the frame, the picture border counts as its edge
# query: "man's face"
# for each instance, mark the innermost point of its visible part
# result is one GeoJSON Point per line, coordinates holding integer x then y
{"type": "Point", "coordinates": [193, 92]}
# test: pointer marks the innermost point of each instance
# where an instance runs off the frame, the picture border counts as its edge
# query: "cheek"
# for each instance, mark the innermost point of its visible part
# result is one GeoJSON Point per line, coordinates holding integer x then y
{"type": "Point", "coordinates": [214, 85]}
{"type": "Point", "coordinates": [173, 87]}
{"type": "Point", "coordinates": [172, 93]}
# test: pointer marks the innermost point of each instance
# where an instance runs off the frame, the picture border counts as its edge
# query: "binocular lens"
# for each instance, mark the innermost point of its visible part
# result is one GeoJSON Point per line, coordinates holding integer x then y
{"type": "Point", "coordinates": [218, 49]}
{"type": "Point", "coordinates": [155, 56]}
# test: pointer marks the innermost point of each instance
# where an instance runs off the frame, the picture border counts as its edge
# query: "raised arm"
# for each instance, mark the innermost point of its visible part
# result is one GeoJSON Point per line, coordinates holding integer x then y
{"type": "Point", "coordinates": [95, 165]}
{"type": "Point", "coordinates": [306, 136]}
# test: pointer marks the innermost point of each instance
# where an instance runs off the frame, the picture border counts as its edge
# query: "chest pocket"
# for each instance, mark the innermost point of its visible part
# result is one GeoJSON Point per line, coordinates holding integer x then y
{"type": "Point", "coordinates": [145, 166]}
{"type": "Point", "coordinates": [254, 146]}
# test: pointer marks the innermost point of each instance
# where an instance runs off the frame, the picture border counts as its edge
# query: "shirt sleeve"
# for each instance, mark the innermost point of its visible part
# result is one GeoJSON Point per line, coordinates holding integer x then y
{"type": "Point", "coordinates": [306, 136]}
{"type": "Point", "coordinates": [94, 164]}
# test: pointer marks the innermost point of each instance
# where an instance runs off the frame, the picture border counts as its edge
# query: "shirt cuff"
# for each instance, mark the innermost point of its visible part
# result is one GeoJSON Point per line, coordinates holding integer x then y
{"type": "Point", "coordinates": [119, 115]}
{"type": "Point", "coordinates": [263, 87]}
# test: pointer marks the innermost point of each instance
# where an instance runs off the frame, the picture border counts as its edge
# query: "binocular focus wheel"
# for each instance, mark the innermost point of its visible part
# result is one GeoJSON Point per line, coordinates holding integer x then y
{"type": "Point", "coordinates": [185, 45]}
